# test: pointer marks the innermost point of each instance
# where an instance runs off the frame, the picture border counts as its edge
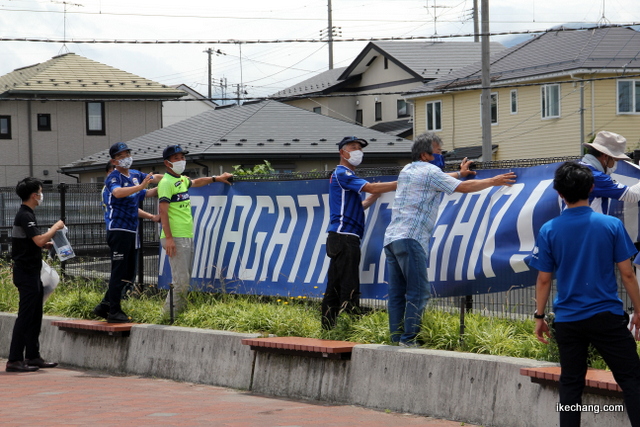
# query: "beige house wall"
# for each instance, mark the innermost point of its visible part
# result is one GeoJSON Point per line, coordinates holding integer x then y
{"type": "Point", "coordinates": [526, 134]}
{"type": "Point", "coordinates": [67, 140]}
{"type": "Point", "coordinates": [344, 107]}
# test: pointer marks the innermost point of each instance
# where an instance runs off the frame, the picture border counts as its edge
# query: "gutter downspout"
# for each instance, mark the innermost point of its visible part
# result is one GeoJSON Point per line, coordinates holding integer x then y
{"type": "Point", "coordinates": [77, 178]}
{"type": "Point", "coordinates": [30, 138]}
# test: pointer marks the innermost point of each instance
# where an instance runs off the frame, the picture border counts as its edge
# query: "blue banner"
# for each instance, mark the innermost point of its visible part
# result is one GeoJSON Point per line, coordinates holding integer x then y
{"type": "Point", "coordinates": [268, 238]}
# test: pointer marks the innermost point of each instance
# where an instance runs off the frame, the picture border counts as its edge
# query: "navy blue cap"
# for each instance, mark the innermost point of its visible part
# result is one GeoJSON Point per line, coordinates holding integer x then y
{"type": "Point", "coordinates": [171, 150]}
{"type": "Point", "coordinates": [348, 139]}
{"type": "Point", "coordinates": [116, 148]}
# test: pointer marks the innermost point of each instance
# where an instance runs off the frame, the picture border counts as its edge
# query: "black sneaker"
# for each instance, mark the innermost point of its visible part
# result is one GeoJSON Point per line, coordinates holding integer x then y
{"type": "Point", "coordinates": [101, 310]}
{"type": "Point", "coordinates": [119, 317]}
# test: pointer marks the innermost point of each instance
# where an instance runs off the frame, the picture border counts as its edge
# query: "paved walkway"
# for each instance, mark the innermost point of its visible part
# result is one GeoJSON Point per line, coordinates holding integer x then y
{"type": "Point", "coordinates": [68, 397]}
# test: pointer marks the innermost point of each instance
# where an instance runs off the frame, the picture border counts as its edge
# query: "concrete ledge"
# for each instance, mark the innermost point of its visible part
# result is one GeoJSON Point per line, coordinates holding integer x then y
{"type": "Point", "coordinates": [479, 389]}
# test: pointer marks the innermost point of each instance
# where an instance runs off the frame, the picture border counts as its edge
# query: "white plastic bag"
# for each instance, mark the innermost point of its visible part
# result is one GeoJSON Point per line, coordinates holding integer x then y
{"type": "Point", "coordinates": [50, 280]}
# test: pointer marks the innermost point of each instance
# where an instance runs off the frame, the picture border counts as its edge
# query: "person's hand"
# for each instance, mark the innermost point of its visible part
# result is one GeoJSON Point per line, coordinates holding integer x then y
{"type": "Point", "coordinates": [155, 218]}
{"type": "Point", "coordinates": [542, 330]}
{"type": "Point", "coordinates": [170, 246]}
{"type": "Point", "coordinates": [58, 225]}
{"type": "Point", "coordinates": [464, 168]}
{"type": "Point", "coordinates": [225, 177]}
{"type": "Point", "coordinates": [48, 245]}
{"type": "Point", "coordinates": [146, 181]}
{"type": "Point", "coordinates": [634, 325]}
{"type": "Point", "coordinates": [504, 179]}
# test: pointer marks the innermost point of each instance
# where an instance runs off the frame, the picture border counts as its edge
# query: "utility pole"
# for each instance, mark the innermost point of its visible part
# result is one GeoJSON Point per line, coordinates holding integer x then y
{"type": "Point", "coordinates": [330, 35]}
{"type": "Point", "coordinates": [210, 52]}
{"type": "Point", "coordinates": [486, 85]}
{"type": "Point", "coordinates": [476, 26]}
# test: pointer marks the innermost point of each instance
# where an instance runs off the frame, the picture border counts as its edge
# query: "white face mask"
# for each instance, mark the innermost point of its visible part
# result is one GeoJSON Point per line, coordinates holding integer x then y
{"type": "Point", "coordinates": [126, 162]}
{"type": "Point", "coordinates": [355, 157]}
{"type": "Point", "coordinates": [39, 201]}
{"type": "Point", "coordinates": [613, 168]}
{"type": "Point", "coordinates": [178, 167]}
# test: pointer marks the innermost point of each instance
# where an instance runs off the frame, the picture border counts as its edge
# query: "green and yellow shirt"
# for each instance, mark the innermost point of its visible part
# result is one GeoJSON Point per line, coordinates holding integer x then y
{"type": "Point", "coordinates": [174, 190]}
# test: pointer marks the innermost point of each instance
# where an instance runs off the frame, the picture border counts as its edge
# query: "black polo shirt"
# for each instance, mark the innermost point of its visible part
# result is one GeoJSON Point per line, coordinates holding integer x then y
{"type": "Point", "coordinates": [24, 252]}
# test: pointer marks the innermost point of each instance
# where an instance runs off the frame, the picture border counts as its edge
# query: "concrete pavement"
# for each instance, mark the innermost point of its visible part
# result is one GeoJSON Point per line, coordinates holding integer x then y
{"type": "Point", "coordinates": [70, 397]}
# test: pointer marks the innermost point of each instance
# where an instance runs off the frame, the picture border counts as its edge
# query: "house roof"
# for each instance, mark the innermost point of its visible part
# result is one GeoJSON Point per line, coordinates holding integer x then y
{"type": "Point", "coordinates": [265, 129]}
{"type": "Point", "coordinates": [401, 128]}
{"type": "Point", "coordinates": [424, 60]}
{"type": "Point", "coordinates": [194, 94]}
{"type": "Point", "coordinates": [557, 52]}
{"type": "Point", "coordinates": [319, 84]}
{"type": "Point", "coordinates": [72, 75]}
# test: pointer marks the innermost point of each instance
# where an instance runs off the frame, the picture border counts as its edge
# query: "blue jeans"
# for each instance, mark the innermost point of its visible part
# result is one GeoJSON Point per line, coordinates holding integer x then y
{"type": "Point", "coordinates": [408, 288]}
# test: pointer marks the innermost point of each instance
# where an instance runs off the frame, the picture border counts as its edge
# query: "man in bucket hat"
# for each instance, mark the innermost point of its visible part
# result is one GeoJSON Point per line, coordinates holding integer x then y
{"type": "Point", "coordinates": [602, 158]}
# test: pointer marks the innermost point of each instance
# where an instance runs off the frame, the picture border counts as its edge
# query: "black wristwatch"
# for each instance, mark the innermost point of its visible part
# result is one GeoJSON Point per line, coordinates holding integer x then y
{"type": "Point", "coordinates": [538, 316]}
{"type": "Point", "coordinates": [213, 178]}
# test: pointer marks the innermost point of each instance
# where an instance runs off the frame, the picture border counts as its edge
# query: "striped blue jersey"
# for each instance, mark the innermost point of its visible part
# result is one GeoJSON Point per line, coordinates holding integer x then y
{"type": "Point", "coordinates": [122, 214]}
{"type": "Point", "coordinates": [345, 204]}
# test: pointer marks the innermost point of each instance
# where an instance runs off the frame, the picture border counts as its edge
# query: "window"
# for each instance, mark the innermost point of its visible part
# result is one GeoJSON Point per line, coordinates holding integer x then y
{"type": "Point", "coordinates": [317, 110]}
{"type": "Point", "coordinates": [434, 115]}
{"type": "Point", "coordinates": [550, 101]}
{"type": "Point", "coordinates": [95, 118]}
{"type": "Point", "coordinates": [514, 101]}
{"type": "Point", "coordinates": [403, 108]}
{"type": "Point", "coordinates": [44, 122]}
{"type": "Point", "coordinates": [628, 96]}
{"type": "Point", "coordinates": [386, 63]}
{"type": "Point", "coordinates": [359, 117]}
{"type": "Point", "coordinates": [493, 102]}
{"type": "Point", "coordinates": [378, 111]}
{"type": "Point", "coordinates": [5, 127]}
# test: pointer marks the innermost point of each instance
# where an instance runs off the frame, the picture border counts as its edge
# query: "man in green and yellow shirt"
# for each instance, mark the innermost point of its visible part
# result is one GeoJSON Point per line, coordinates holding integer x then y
{"type": "Point", "coordinates": [177, 220]}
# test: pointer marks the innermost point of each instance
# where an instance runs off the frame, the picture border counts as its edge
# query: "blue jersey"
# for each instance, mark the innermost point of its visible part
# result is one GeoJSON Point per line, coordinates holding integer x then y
{"type": "Point", "coordinates": [604, 188]}
{"type": "Point", "coordinates": [122, 214]}
{"type": "Point", "coordinates": [345, 204]}
{"type": "Point", "coordinates": [582, 247]}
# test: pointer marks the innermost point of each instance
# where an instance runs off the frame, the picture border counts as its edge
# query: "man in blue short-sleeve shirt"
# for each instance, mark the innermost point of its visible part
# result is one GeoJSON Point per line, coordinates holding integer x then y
{"type": "Point", "coordinates": [346, 229]}
{"type": "Point", "coordinates": [582, 248]}
{"type": "Point", "coordinates": [602, 158]}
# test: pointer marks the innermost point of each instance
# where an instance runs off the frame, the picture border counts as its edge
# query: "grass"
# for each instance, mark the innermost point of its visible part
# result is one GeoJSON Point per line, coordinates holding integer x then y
{"type": "Point", "coordinates": [289, 316]}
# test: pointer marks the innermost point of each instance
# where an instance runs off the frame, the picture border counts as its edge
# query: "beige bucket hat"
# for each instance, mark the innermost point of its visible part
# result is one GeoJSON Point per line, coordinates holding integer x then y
{"type": "Point", "coordinates": [611, 144]}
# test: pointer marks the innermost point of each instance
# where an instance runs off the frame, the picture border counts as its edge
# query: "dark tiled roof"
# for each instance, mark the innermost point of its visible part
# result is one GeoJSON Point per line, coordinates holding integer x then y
{"type": "Point", "coordinates": [425, 60]}
{"type": "Point", "coordinates": [554, 52]}
{"type": "Point", "coordinates": [401, 128]}
{"type": "Point", "coordinates": [318, 84]}
{"type": "Point", "coordinates": [253, 130]}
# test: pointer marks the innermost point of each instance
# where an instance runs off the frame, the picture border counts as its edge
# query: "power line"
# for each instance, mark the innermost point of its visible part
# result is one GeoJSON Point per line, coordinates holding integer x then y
{"type": "Point", "coordinates": [274, 41]}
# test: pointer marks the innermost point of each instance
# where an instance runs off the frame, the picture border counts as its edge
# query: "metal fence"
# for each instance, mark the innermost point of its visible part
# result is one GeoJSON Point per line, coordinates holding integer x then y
{"type": "Point", "coordinates": [80, 206]}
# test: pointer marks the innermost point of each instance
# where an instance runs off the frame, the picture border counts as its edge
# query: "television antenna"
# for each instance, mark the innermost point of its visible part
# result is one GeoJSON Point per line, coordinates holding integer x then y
{"type": "Point", "coordinates": [64, 26]}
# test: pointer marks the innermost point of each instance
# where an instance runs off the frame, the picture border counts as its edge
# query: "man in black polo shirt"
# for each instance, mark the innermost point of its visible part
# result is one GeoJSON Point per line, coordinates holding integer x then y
{"type": "Point", "coordinates": [26, 243]}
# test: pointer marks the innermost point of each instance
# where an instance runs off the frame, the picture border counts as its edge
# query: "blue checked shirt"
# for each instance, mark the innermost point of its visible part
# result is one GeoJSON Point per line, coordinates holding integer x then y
{"type": "Point", "coordinates": [122, 214]}
{"type": "Point", "coordinates": [415, 209]}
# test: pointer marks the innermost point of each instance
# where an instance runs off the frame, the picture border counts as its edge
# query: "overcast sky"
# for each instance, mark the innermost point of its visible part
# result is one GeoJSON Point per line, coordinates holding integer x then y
{"type": "Point", "coordinates": [263, 68]}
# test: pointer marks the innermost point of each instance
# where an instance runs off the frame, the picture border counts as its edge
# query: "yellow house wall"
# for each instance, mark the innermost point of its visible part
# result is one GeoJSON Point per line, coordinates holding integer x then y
{"type": "Point", "coordinates": [526, 134]}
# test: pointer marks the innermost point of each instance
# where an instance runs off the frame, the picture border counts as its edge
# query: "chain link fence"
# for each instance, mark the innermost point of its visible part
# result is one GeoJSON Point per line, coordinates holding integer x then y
{"type": "Point", "coordinates": [80, 206]}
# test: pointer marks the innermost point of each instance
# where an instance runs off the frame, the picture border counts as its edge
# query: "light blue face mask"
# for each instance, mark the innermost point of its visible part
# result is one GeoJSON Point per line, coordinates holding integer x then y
{"type": "Point", "coordinates": [438, 160]}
